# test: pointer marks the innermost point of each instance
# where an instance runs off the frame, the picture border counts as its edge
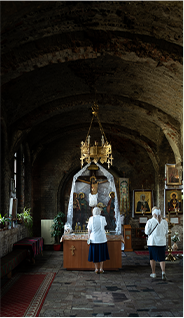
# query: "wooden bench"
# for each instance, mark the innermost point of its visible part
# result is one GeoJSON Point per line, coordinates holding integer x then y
{"type": "Point", "coordinates": [33, 244]}
{"type": "Point", "coordinates": [11, 260]}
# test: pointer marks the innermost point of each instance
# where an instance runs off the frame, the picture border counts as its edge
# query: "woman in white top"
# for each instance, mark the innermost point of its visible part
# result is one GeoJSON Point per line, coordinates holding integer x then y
{"type": "Point", "coordinates": [156, 228]}
{"type": "Point", "coordinates": [98, 250]}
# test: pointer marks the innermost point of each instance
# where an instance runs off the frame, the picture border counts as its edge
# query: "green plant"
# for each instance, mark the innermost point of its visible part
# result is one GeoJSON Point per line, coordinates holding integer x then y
{"type": "Point", "coordinates": [3, 219]}
{"type": "Point", "coordinates": [57, 227]}
{"type": "Point", "coordinates": [19, 216]}
{"type": "Point", "coordinates": [27, 218]}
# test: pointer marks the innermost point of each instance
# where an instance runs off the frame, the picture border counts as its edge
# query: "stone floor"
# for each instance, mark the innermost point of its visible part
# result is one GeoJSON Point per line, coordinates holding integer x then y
{"type": "Point", "coordinates": [129, 292]}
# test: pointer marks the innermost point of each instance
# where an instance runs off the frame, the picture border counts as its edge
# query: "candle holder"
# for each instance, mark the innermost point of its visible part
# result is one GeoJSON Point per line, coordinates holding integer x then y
{"type": "Point", "coordinates": [170, 257]}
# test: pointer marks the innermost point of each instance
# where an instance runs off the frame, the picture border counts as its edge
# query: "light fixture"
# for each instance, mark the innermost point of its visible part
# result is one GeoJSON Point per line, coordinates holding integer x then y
{"type": "Point", "coordinates": [95, 153]}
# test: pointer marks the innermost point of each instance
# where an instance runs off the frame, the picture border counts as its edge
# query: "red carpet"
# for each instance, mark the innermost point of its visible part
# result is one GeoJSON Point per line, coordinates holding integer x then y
{"type": "Point", "coordinates": [147, 252]}
{"type": "Point", "coordinates": [24, 294]}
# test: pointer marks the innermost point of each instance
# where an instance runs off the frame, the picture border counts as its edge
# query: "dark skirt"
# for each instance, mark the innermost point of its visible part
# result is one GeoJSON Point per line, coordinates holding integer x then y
{"type": "Point", "coordinates": [98, 252]}
{"type": "Point", "coordinates": [157, 253]}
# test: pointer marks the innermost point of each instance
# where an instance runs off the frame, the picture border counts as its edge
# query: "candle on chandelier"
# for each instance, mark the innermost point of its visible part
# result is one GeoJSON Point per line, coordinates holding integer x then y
{"type": "Point", "coordinates": [88, 140]}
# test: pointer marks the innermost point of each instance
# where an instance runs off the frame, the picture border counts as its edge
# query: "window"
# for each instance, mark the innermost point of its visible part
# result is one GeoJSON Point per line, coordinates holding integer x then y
{"type": "Point", "coordinates": [15, 172]}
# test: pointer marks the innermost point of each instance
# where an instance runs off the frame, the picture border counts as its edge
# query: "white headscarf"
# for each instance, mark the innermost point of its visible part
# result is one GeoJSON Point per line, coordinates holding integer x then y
{"type": "Point", "coordinates": [96, 211]}
{"type": "Point", "coordinates": [156, 211]}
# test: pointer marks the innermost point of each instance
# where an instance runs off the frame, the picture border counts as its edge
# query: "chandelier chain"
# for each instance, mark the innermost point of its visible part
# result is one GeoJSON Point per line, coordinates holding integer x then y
{"type": "Point", "coordinates": [101, 128]}
{"type": "Point", "coordinates": [95, 109]}
{"type": "Point", "coordinates": [89, 128]}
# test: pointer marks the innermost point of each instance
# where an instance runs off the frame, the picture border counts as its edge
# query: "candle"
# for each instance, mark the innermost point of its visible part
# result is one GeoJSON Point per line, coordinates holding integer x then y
{"type": "Point", "coordinates": [88, 140]}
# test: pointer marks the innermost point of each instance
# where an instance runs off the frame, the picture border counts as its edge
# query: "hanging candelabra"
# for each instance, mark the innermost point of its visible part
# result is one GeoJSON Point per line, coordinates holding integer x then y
{"type": "Point", "coordinates": [95, 153]}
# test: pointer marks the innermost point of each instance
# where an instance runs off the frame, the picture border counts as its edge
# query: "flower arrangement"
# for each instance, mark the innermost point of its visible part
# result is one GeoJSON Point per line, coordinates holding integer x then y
{"type": "Point", "coordinates": [175, 238]}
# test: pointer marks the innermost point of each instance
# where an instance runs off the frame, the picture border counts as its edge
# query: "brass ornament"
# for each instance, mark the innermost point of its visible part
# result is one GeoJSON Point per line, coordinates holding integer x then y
{"type": "Point", "coordinates": [72, 248]}
{"type": "Point", "coordinates": [95, 153]}
{"type": "Point", "coordinates": [112, 192]}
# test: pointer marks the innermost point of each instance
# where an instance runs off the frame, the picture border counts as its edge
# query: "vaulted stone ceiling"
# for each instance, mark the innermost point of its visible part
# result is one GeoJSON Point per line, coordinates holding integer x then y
{"type": "Point", "coordinates": [58, 57]}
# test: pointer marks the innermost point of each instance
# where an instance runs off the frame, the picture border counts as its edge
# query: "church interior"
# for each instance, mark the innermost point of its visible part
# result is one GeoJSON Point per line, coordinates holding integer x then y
{"type": "Point", "coordinates": [92, 96]}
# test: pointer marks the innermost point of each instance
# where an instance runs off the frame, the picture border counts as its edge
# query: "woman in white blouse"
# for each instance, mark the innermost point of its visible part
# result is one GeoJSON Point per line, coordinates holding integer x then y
{"type": "Point", "coordinates": [156, 228]}
{"type": "Point", "coordinates": [98, 250]}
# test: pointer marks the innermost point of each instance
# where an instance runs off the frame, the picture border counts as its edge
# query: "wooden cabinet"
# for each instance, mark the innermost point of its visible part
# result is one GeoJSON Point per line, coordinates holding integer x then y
{"type": "Point", "coordinates": [71, 252]}
{"type": "Point", "coordinates": [75, 255]}
{"type": "Point", "coordinates": [115, 262]}
{"type": "Point", "coordinates": [128, 238]}
{"type": "Point", "coordinates": [139, 241]}
{"type": "Point", "coordinates": [140, 232]}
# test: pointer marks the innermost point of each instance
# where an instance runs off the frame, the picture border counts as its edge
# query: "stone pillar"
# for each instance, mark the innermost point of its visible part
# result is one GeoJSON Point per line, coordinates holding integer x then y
{"type": "Point", "coordinates": [159, 190]}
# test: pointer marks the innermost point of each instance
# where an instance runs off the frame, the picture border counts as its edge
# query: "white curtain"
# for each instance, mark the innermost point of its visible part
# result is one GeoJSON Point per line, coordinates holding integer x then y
{"type": "Point", "coordinates": [111, 187]}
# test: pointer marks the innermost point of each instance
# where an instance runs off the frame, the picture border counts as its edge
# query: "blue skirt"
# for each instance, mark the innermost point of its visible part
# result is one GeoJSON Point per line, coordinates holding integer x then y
{"type": "Point", "coordinates": [157, 253]}
{"type": "Point", "coordinates": [98, 252]}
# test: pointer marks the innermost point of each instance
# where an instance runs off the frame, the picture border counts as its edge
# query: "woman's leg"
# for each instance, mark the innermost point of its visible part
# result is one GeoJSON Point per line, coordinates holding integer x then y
{"type": "Point", "coordinates": [101, 266]}
{"type": "Point", "coordinates": [162, 265]}
{"type": "Point", "coordinates": [96, 267]}
{"type": "Point", "coordinates": [153, 265]}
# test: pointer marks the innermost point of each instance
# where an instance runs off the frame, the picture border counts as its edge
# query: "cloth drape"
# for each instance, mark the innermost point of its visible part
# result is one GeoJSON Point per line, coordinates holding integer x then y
{"type": "Point", "coordinates": [111, 187]}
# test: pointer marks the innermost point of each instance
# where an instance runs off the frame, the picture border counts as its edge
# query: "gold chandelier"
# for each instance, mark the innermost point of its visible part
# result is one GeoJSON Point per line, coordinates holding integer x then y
{"type": "Point", "coordinates": [95, 152]}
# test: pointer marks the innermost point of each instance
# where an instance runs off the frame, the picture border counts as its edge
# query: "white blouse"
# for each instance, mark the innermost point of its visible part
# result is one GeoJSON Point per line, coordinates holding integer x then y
{"type": "Point", "coordinates": [158, 236]}
{"type": "Point", "coordinates": [96, 225]}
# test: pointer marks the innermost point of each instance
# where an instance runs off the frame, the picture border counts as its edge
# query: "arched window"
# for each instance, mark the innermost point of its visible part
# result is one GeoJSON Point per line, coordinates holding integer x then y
{"type": "Point", "coordinates": [15, 173]}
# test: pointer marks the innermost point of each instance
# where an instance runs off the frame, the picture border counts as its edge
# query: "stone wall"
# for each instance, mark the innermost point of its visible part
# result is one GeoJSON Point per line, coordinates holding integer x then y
{"type": "Point", "coordinates": [11, 236]}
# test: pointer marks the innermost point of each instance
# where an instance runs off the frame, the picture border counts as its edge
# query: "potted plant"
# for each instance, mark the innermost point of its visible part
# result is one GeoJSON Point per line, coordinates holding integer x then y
{"type": "Point", "coordinates": [3, 221]}
{"type": "Point", "coordinates": [26, 218]}
{"type": "Point", "coordinates": [19, 218]}
{"type": "Point", "coordinates": [57, 229]}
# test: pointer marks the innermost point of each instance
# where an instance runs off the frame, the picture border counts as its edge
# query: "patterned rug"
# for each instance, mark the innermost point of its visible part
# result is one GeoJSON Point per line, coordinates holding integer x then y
{"type": "Point", "coordinates": [147, 252]}
{"type": "Point", "coordinates": [24, 294]}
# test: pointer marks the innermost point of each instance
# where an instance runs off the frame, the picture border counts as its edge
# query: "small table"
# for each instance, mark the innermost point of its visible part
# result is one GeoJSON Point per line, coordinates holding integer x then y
{"type": "Point", "coordinates": [33, 244]}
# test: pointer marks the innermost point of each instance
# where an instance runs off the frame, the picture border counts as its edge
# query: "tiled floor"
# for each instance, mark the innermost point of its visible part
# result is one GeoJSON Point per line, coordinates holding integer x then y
{"type": "Point", "coordinates": [129, 292]}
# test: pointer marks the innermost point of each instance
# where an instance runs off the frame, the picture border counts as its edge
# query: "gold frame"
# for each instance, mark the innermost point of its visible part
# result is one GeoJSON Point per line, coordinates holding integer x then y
{"type": "Point", "coordinates": [168, 197]}
{"type": "Point", "coordinates": [137, 198]}
{"type": "Point", "coordinates": [172, 171]}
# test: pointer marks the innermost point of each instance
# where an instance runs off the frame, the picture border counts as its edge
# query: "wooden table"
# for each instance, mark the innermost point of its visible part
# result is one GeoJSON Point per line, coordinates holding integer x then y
{"type": "Point", "coordinates": [76, 249]}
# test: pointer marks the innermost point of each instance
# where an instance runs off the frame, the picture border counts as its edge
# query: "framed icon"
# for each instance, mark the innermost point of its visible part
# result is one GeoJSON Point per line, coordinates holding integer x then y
{"type": "Point", "coordinates": [143, 201]}
{"type": "Point", "coordinates": [172, 175]}
{"type": "Point", "coordinates": [173, 201]}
